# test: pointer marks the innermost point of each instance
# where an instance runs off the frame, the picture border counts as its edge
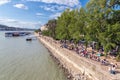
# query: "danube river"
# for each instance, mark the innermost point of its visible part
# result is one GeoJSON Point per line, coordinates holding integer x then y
{"type": "Point", "coordinates": [22, 60]}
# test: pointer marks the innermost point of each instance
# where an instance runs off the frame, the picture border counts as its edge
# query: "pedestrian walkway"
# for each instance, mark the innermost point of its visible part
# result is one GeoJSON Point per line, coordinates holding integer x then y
{"type": "Point", "coordinates": [88, 63]}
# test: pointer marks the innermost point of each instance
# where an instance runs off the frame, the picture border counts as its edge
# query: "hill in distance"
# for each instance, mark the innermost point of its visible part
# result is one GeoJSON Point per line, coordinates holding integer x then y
{"type": "Point", "coordinates": [7, 28]}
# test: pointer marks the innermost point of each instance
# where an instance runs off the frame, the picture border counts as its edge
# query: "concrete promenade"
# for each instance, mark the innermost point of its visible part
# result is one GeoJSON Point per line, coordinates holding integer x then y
{"type": "Point", "coordinates": [77, 65]}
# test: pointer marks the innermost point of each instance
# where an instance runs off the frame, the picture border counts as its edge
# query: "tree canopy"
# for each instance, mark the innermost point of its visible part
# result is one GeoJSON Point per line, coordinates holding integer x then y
{"type": "Point", "coordinates": [99, 21]}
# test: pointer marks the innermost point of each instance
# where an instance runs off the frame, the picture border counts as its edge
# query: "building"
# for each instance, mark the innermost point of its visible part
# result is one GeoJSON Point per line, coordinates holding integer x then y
{"type": "Point", "coordinates": [43, 28]}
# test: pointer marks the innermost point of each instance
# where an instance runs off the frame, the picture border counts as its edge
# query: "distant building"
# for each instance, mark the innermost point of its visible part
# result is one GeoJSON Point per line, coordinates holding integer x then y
{"type": "Point", "coordinates": [43, 28]}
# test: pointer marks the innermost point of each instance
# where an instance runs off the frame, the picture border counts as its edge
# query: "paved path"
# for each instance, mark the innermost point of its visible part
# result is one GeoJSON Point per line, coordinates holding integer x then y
{"type": "Point", "coordinates": [76, 60]}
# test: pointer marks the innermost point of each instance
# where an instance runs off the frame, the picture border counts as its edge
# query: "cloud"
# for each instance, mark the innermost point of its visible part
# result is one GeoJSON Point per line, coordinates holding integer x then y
{"type": "Point", "coordinates": [53, 8]}
{"type": "Point", "coordinates": [2, 2]}
{"type": "Point", "coordinates": [21, 24]}
{"type": "Point", "coordinates": [20, 6]}
{"type": "Point", "coordinates": [55, 16]}
{"type": "Point", "coordinates": [70, 3]}
{"type": "Point", "coordinates": [39, 14]}
{"type": "Point", "coordinates": [7, 20]}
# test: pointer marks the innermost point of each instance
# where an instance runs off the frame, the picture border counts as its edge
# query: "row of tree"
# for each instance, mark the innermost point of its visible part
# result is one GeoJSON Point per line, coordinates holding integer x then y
{"type": "Point", "coordinates": [99, 21]}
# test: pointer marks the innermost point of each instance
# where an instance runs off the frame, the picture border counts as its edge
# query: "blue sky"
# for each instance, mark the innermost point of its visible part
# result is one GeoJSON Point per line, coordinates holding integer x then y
{"type": "Point", "coordinates": [34, 13]}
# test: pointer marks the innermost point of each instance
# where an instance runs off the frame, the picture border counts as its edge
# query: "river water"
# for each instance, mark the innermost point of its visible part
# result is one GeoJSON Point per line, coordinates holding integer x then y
{"type": "Point", "coordinates": [22, 60]}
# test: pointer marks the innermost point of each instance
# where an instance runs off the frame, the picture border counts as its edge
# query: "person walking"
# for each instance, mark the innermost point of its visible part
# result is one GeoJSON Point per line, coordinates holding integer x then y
{"type": "Point", "coordinates": [113, 69]}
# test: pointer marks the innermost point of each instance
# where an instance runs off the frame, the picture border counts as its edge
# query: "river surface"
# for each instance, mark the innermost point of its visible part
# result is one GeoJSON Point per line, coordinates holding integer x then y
{"type": "Point", "coordinates": [22, 60]}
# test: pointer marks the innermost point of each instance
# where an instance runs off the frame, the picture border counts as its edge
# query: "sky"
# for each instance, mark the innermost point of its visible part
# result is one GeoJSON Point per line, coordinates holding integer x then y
{"type": "Point", "coordinates": [34, 13]}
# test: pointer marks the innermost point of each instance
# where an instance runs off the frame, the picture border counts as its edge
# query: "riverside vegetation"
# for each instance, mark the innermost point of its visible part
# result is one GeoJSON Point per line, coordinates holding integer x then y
{"type": "Point", "coordinates": [98, 21]}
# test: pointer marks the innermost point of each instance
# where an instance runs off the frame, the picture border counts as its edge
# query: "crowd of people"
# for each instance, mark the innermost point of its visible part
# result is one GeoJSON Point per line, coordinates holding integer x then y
{"type": "Point", "coordinates": [81, 50]}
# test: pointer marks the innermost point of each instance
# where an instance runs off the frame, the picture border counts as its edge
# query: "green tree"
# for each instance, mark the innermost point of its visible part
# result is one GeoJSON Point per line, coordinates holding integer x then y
{"type": "Point", "coordinates": [99, 21]}
{"type": "Point", "coordinates": [51, 25]}
{"type": "Point", "coordinates": [63, 25]}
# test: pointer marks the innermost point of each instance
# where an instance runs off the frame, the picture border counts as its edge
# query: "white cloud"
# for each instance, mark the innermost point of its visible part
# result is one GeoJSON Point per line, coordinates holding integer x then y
{"type": "Point", "coordinates": [47, 8]}
{"type": "Point", "coordinates": [7, 20]}
{"type": "Point", "coordinates": [2, 2]}
{"type": "Point", "coordinates": [21, 6]}
{"type": "Point", "coordinates": [39, 14]}
{"type": "Point", "coordinates": [55, 16]}
{"type": "Point", "coordinates": [21, 24]}
{"type": "Point", "coordinates": [70, 3]}
{"type": "Point", "coordinates": [53, 8]}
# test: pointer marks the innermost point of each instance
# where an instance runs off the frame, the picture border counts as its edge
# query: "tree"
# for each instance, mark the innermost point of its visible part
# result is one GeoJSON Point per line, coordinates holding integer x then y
{"type": "Point", "coordinates": [51, 25]}
{"type": "Point", "coordinates": [99, 22]}
{"type": "Point", "coordinates": [63, 25]}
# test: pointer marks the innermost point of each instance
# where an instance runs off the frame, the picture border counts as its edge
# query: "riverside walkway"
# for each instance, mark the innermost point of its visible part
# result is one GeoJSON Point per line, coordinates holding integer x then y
{"type": "Point", "coordinates": [93, 69]}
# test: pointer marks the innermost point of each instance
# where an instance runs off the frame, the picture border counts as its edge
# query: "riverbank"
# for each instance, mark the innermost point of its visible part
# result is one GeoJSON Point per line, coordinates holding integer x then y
{"type": "Point", "coordinates": [77, 66]}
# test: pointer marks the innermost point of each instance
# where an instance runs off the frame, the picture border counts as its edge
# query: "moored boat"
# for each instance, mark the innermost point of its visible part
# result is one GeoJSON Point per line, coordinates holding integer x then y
{"type": "Point", "coordinates": [8, 34]}
{"type": "Point", "coordinates": [29, 39]}
{"type": "Point", "coordinates": [16, 34]}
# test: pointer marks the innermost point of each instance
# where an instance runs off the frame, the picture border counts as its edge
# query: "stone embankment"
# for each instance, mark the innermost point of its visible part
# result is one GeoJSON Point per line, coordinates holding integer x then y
{"type": "Point", "coordinates": [78, 68]}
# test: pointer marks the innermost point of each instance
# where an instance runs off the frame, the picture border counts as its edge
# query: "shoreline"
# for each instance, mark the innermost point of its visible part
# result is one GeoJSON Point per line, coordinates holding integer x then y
{"type": "Point", "coordinates": [67, 72]}
{"type": "Point", "coordinates": [61, 66]}
{"type": "Point", "coordinates": [75, 66]}
{"type": "Point", "coordinates": [68, 75]}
